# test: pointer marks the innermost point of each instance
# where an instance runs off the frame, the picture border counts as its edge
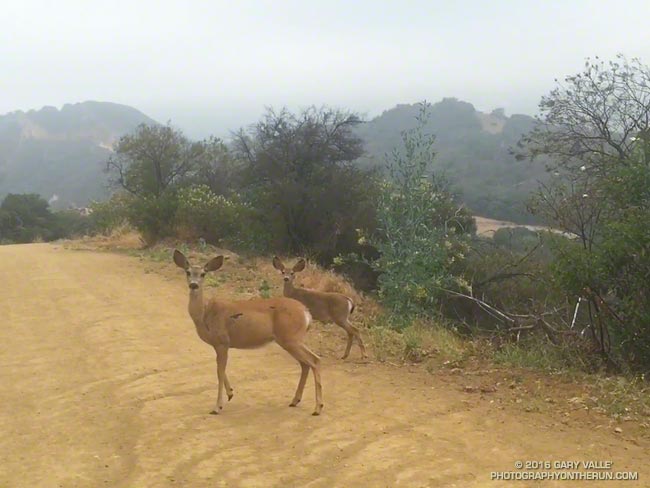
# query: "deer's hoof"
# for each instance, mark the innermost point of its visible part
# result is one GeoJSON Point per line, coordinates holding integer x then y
{"type": "Point", "coordinates": [230, 395]}
{"type": "Point", "coordinates": [214, 412]}
{"type": "Point", "coordinates": [294, 403]}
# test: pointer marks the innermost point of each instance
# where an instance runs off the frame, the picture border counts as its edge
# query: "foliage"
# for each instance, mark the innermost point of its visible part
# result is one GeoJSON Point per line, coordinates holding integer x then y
{"type": "Point", "coordinates": [218, 168]}
{"type": "Point", "coordinates": [592, 117]}
{"type": "Point", "coordinates": [298, 170]}
{"type": "Point", "coordinates": [152, 160]}
{"type": "Point", "coordinates": [160, 169]}
{"type": "Point", "coordinates": [217, 219]}
{"type": "Point", "coordinates": [153, 215]}
{"type": "Point", "coordinates": [26, 218]}
{"type": "Point", "coordinates": [70, 223]}
{"type": "Point", "coordinates": [421, 235]}
{"type": "Point", "coordinates": [107, 216]}
{"type": "Point", "coordinates": [596, 129]}
{"type": "Point", "coordinates": [510, 272]}
{"type": "Point", "coordinates": [616, 269]}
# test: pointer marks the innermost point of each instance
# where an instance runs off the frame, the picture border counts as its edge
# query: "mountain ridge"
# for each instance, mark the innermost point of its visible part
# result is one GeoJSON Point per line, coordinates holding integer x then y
{"type": "Point", "coordinates": [58, 153]}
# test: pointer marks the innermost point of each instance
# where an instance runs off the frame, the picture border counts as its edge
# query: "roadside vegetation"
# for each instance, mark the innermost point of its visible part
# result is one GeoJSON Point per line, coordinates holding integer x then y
{"type": "Point", "coordinates": [430, 291]}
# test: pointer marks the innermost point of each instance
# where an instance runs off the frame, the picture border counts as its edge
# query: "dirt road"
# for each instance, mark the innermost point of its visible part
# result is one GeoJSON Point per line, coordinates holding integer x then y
{"type": "Point", "coordinates": [105, 383]}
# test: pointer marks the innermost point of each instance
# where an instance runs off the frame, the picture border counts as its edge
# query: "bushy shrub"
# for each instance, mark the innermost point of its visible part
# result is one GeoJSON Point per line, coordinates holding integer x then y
{"type": "Point", "coordinates": [219, 220]}
{"type": "Point", "coordinates": [422, 235]}
{"type": "Point", "coordinates": [70, 223]}
{"type": "Point", "coordinates": [153, 216]}
{"type": "Point", "coordinates": [111, 214]}
{"type": "Point", "coordinates": [510, 272]}
{"type": "Point", "coordinates": [614, 272]}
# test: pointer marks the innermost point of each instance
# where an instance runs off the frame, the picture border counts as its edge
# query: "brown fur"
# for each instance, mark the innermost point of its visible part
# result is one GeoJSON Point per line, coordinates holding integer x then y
{"type": "Point", "coordinates": [249, 324]}
{"type": "Point", "coordinates": [324, 306]}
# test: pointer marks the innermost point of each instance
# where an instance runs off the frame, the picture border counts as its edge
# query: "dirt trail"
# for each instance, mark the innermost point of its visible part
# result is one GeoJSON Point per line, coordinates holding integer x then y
{"type": "Point", "coordinates": [105, 383]}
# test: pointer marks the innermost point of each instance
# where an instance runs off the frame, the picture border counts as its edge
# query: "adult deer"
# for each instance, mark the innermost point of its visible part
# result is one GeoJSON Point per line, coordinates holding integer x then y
{"type": "Point", "coordinates": [324, 306]}
{"type": "Point", "coordinates": [249, 324]}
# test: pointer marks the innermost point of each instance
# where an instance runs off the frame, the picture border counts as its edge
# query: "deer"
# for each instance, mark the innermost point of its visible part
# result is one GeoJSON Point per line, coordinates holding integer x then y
{"type": "Point", "coordinates": [323, 306]}
{"type": "Point", "coordinates": [249, 324]}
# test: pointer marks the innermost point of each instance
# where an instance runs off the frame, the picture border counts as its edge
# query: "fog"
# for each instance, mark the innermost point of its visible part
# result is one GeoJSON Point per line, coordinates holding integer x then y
{"type": "Point", "coordinates": [210, 66]}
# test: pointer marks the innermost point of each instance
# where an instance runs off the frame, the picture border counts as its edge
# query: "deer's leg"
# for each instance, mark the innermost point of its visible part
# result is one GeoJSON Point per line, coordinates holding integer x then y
{"type": "Point", "coordinates": [357, 334]}
{"type": "Point", "coordinates": [304, 356]}
{"type": "Point", "coordinates": [343, 324]}
{"type": "Point", "coordinates": [301, 384]}
{"type": "Point", "coordinates": [222, 360]}
{"type": "Point", "coordinates": [228, 388]}
{"type": "Point", "coordinates": [353, 333]}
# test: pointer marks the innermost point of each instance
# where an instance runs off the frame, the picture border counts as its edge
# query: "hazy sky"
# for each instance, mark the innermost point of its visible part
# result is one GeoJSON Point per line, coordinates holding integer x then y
{"type": "Point", "coordinates": [213, 65]}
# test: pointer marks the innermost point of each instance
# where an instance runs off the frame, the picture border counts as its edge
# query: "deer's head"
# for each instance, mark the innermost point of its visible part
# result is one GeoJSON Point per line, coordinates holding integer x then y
{"type": "Point", "coordinates": [196, 274]}
{"type": "Point", "coordinates": [288, 274]}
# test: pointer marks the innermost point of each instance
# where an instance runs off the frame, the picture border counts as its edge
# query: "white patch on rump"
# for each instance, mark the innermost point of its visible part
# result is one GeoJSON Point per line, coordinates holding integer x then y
{"type": "Point", "coordinates": [307, 318]}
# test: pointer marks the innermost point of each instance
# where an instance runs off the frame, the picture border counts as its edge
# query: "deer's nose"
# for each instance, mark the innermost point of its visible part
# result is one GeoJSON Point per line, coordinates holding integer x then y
{"type": "Point", "coordinates": [194, 286]}
{"type": "Point", "coordinates": [286, 278]}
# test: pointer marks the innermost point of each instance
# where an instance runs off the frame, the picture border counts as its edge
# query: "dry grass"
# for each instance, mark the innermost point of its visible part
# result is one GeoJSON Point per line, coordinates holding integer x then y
{"type": "Point", "coordinates": [120, 238]}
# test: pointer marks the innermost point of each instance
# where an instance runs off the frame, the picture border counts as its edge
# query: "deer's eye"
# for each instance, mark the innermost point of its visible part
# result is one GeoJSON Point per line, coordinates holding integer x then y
{"type": "Point", "coordinates": [202, 275]}
{"type": "Point", "coordinates": [187, 273]}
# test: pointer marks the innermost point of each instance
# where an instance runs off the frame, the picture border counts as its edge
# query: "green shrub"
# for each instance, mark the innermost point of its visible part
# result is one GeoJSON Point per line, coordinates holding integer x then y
{"type": "Point", "coordinates": [422, 235]}
{"type": "Point", "coordinates": [111, 214]}
{"type": "Point", "coordinates": [26, 218]}
{"type": "Point", "coordinates": [219, 220]}
{"type": "Point", "coordinates": [153, 216]}
{"type": "Point", "coordinates": [70, 223]}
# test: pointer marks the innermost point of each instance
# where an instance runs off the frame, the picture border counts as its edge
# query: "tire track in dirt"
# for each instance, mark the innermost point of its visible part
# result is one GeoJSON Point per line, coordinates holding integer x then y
{"type": "Point", "coordinates": [105, 383]}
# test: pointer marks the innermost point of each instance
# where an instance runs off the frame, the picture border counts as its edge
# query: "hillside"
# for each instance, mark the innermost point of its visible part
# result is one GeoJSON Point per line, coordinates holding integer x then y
{"type": "Point", "coordinates": [472, 151]}
{"type": "Point", "coordinates": [59, 153]}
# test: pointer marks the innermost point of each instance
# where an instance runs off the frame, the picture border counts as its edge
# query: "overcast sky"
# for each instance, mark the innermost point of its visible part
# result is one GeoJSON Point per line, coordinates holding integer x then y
{"type": "Point", "coordinates": [213, 65]}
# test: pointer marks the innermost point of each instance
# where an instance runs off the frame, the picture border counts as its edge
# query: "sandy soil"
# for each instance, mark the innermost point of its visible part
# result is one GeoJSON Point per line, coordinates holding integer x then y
{"type": "Point", "coordinates": [105, 383]}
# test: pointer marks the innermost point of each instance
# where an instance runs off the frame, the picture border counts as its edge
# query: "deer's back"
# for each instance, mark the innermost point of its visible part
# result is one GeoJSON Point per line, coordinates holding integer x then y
{"type": "Point", "coordinates": [324, 306]}
{"type": "Point", "coordinates": [254, 323]}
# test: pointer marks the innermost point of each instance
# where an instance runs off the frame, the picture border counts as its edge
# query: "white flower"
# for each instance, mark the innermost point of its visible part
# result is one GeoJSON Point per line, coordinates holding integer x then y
{"type": "Point", "coordinates": [584, 195]}
{"type": "Point", "coordinates": [583, 168]}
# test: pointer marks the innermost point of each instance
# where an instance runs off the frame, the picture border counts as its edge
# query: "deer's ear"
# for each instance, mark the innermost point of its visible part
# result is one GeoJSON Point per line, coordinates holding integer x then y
{"type": "Point", "coordinates": [214, 264]}
{"type": "Point", "coordinates": [277, 264]}
{"type": "Point", "coordinates": [180, 260]}
{"type": "Point", "coordinates": [299, 266]}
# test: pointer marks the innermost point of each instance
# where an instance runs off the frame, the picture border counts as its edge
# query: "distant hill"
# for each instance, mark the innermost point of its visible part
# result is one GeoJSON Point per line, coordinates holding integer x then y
{"type": "Point", "coordinates": [472, 151]}
{"type": "Point", "coordinates": [59, 153]}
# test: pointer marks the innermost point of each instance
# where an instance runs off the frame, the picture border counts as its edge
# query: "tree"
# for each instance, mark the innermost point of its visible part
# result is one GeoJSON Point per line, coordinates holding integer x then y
{"type": "Point", "coordinates": [586, 131]}
{"type": "Point", "coordinates": [25, 218]}
{"type": "Point", "coordinates": [298, 167]}
{"type": "Point", "coordinates": [150, 164]}
{"type": "Point", "coordinates": [594, 132]}
{"type": "Point", "coordinates": [593, 118]}
{"type": "Point", "coordinates": [218, 168]}
{"type": "Point", "coordinates": [152, 159]}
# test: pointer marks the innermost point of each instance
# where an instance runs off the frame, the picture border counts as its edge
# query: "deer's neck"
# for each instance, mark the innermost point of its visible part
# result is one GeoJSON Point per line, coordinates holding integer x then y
{"type": "Point", "coordinates": [196, 306]}
{"type": "Point", "coordinates": [289, 289]}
